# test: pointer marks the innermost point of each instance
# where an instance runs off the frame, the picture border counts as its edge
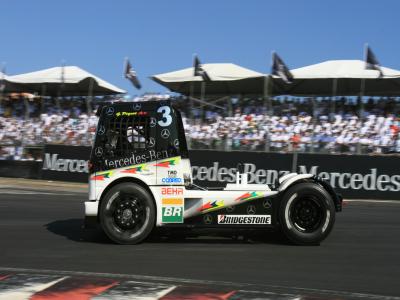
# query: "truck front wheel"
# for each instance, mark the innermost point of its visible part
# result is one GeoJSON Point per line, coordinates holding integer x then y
{"type": "Point", "coordinates": [306, 213]}
{"type": "Point", "coordinates": [127, 213]}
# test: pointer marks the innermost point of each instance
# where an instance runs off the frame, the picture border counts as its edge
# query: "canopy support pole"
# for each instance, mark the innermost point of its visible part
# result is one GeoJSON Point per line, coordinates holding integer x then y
{"type": "Point", "coordinates": [268, 106]}
{"type": "Point", "coordinates": [2, 84]}
{"type": "Point", "coordinates": [361, 112]}
{"type": "Point", "coordinates": [314, 122]}
{"type": "Point", "coordinates": [43, 93]}
{"type": "Point", "coordinates": [202, 96]}
{"type": "Point", "coordinates": [90, 96]}
{"type": "Point", "coordinates": [190, 113]}
{"type": "Point", "coordinates": [333, 99]}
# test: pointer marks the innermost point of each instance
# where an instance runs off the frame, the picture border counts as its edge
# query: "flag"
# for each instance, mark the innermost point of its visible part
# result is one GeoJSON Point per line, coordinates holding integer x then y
{"type": "Point", "coordinates": [199, 71]}
{"type": "Point", "coordinates": [130, 74]}
{"type": "Point", "coordinates": [371, 63]}
{"type": "Point", "coordinates": [280, 69]}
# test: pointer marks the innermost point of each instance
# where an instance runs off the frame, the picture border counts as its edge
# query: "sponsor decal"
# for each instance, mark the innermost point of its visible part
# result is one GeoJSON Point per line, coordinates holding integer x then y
{"type": "Point", "coordinates": [153, 122]}
{"type": "Point", "coordinates": [172, 210]}
{"type": "Point", "coordinates": [98, 152]}
{"type": "Point", "coordinates": [251, 209]}
{"type": "Point", "coordinates": [171, 191]}
{"type": "Point", "coordinates": [151, 142]}
{"type": "Point", "coordinates": [165, 133]}
{"type": "Point", "coordinates": [131, 113]}
{"type": "Point", "coordinates": [230, 209]}
{"type": "Point", "coordinates": [101, 130]}
{"type": "Point", "coordinates": [101, 175]}
{"type": "Point", "coordinates": [137, 106]}
{"type": "Point", "coordinates": [172, 173]}
{"type": "Point", "coordinates": [171, 180]}
{"type": "Point", "coordinates": [135, 169]}
{"type": "Point", "coordinates": [244, 219]}
{"type": "Point", "coordinates": [176, 143]}
{"type": "Point", "coordinates": [109, 111]}
{"type": "Point", "coordinates": [210, 206]}
{"type": "Point", "coordinates": [249, 196]}
{"type": "Point", "coordinates": [168, 163]}
{"type": "Point", "coordinates": [207, 219]}
{"type": "Point", "coordinates": [136, 159]}
{"type": "Point", "coordinates": [267, 203]}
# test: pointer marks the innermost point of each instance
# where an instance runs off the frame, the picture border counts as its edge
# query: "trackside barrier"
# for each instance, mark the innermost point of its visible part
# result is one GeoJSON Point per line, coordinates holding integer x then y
{"type": "Point", "coordinates": [20, 169]}
{"type": "Point", "coordinates": [355, 176]}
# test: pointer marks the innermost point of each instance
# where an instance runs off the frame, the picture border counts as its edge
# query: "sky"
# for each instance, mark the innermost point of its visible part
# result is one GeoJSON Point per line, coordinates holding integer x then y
{"type": "Point", "coordinates": [162, 36]}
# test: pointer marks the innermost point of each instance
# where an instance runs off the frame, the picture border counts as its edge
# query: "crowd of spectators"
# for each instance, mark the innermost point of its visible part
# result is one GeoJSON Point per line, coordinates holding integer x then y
{"type": "Point", "coordinates": [324, 125]}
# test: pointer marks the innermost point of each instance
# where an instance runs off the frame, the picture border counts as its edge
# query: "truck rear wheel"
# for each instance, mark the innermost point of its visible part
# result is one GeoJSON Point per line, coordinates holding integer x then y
{"type": "Point", "coordinates": [307, 213]}
{"type": "Point", "coordinates": [127, 213]}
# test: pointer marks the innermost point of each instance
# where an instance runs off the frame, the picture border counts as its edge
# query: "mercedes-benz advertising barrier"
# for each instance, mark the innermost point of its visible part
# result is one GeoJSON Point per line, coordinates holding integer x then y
{"type": "Point", "coordinates": [355, 176]}
{"type": "Point", "coordinates": [65, 163]}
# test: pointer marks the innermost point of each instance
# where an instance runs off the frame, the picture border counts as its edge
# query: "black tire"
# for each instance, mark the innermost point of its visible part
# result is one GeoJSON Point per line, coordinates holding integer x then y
{"type": "Point", "coordinates": [306, 213]}
{"type": "Point", "coordinates": [127, 213]}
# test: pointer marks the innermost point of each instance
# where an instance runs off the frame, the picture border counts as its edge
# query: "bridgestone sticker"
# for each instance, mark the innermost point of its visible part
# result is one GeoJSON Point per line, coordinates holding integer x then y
{"type": "Point", "coordinates": [245, 219]}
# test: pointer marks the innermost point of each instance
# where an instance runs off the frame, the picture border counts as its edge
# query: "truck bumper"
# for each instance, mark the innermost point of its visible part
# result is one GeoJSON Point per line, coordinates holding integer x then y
{"type": "Point", "coordinates": [91, 208]}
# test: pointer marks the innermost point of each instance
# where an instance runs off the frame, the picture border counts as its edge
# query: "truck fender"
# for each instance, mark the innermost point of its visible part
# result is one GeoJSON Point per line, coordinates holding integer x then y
{"type": "Point", "coordinates": [289, 180]}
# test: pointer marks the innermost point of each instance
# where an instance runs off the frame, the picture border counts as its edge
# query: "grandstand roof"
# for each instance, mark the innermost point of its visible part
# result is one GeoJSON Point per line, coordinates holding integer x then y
{"type": "Point", "coordinates": [341, 69]}
{"type": "Point", "coordinates": [333, 77]}
{"type": "Point", "coordinates": [216, 71]}
{"type": "Point", "coordinates": [72, 80]}
{"type": "Point", "coordinates": [226, 79]}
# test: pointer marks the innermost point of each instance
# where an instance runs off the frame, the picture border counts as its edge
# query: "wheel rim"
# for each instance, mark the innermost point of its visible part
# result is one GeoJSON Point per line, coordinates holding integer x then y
{"type": "Point", "coordinates": [128, 213]}
{"type": "Point", "coordinates": [306, 214]}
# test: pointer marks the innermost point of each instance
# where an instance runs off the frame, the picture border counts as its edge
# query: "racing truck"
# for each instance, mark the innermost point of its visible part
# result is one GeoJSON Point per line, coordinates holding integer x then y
{"type": "Point", "coordinates": [140, 178]}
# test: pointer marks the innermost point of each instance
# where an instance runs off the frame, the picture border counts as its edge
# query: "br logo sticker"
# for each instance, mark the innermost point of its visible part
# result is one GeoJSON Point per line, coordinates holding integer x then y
{"type": "Point", "coordinates": [172, 210]}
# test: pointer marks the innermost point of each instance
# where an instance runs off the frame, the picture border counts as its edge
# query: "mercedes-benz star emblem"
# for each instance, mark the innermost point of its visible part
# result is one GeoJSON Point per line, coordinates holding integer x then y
{"type": "Point", "coordinates": [176, 143]}
{"type": "Point", "coordinates": [110, 111]}
{"type": "Point", "coordinates": [153, 122]}
{"type": "Point", "coordinates": [230, 209]}
{"type": "Point", "coordinates": [207, 219]}
{"type": "Point", "coordinates": [98, 151]}
{"type": "Point", "coordinates": [152, 142]}
{"type": "Point", "coordinates": [267, 203]}
{"type": "Point", "coordinates": [165, 133]}
{"type": "Point", "coordinates": [251, 209]}
{"type": "Point", "coordinates": [101, 130]}
{"type": "Point", "coordinates": [137, 106]}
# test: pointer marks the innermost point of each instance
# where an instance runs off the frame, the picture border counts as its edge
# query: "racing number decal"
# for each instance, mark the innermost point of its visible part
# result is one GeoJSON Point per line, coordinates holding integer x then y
{"type": "Point", "coordinates": [166, 116]}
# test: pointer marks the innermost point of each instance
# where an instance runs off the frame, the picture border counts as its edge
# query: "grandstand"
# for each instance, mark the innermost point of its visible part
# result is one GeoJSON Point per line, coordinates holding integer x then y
{"type": "Point", "coordinates": [293, 126]}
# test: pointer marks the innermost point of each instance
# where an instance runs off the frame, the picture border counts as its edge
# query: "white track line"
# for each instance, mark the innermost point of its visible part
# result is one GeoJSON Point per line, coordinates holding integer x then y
{"type": "Point", "coordinates": [207, 282]}
{"type": "Point", "coordinates": [372, 201]}
{"type": "Point", "coordinates": [31, 193]}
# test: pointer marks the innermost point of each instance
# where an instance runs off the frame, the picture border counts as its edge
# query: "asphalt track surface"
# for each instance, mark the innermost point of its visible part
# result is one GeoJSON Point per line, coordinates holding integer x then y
{"type": "Point", "coordinates": [42, 230]}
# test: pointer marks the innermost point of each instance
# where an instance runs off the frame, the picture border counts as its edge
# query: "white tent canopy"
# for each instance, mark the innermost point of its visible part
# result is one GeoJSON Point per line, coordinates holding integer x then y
{"type": "Point", "coordinates": [226, 78]}
{"type": "Point", "coordinates": [334, 77]}
{"type": "Point", "coordinates": [71, 80]}
{"type": "Point", "coordinates": [343, 77]}
{"type": "Point", "coordinates": [216, 71]}
{"type": "Point", "coordinates": [341, 69]}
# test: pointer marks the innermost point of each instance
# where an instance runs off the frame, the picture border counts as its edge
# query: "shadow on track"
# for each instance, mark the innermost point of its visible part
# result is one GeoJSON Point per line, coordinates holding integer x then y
{"type": "Point", "coordinates": [73, 230]}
